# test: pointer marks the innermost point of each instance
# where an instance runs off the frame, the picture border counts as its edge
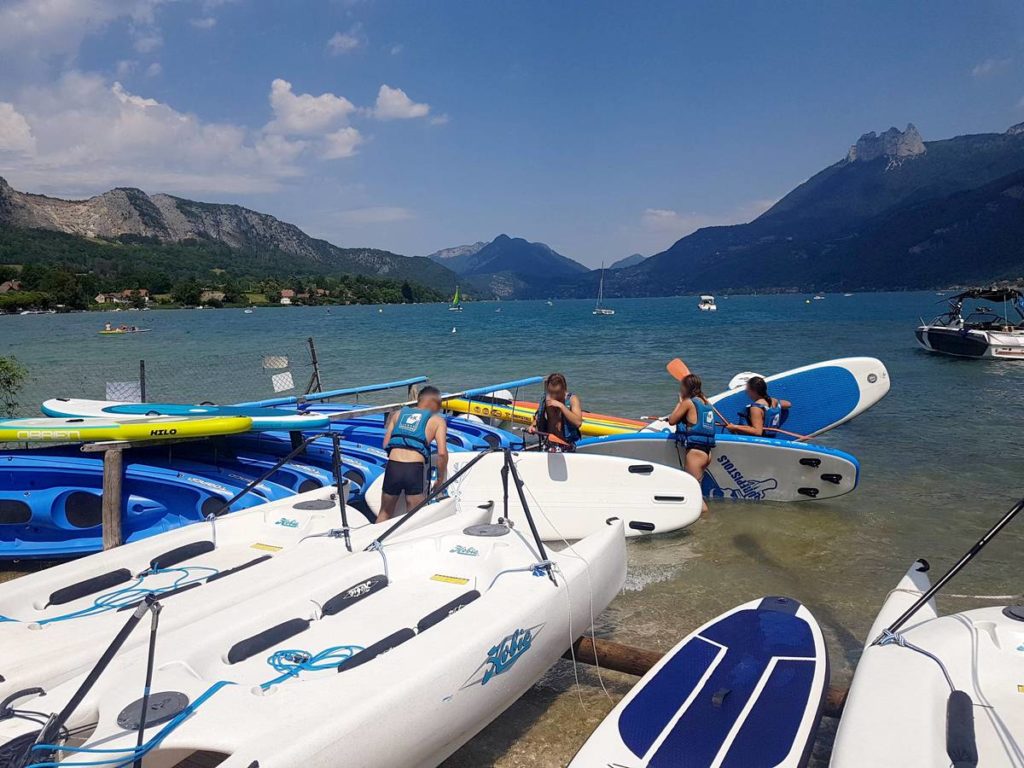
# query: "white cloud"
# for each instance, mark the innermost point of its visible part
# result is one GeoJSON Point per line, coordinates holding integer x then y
{"type": "Point", "coordinates": [204, 22]}
{"type": "Point", "coordinates": [125, 67]}
{"type": "Point", "coordinates": [341, 143]}
{"type": "Point", "coordinates": [15, 132]}
{"type": "Point", "coordinates": [440, 120]}
{"type": "Point", "coordinates": [394, 104]}
{"type": "Point", "coordinates": [303, 113]}
{"type": "Point", "coordinates": [154, 69]}
{"type": "Point", "coordinates": [396, 49]}
{"type": "Point", "coordinates": [346, 42]}
{"type": "Point", "coordinates": [86, 135]}
{"type": "Point", "coordinates": [147, 40]}
{"type": "Point", "coordinates": [376, 215]}
{"type": "Point", "coordinates": [990, 66]}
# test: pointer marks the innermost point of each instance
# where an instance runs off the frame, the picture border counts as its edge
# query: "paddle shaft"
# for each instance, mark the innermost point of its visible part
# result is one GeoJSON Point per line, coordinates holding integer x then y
{"type": "Point", "coordinates": [968, 556]}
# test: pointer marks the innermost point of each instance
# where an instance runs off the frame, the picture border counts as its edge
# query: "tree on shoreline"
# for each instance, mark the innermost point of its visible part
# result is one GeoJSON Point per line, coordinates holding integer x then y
{"type": "Point", "coordinates": [12, 378]}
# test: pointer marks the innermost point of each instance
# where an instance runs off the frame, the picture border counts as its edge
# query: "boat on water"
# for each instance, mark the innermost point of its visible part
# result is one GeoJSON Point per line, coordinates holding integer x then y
{"type": "Point", "coordinates": [109, 330]}
{"type": "Point", "coordinates": [707, 303]}
{"type": "Point", "coordinates": [983, 332]}
{"type": "Point", "coordinates": [819, 297]}
{"type": "Point", "coordinates": [598, 309]}
{"type": "Point", "coordinates": [456, 305]}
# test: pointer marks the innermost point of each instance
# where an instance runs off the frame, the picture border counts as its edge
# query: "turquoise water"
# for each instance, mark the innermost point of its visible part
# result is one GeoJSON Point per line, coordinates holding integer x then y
{"type": "Point", "coordinates": [941, 456]}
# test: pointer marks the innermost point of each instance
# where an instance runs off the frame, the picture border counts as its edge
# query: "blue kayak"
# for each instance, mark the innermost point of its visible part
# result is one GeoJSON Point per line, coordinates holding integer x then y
{"type": "Point", "coordinates": [50, 505]}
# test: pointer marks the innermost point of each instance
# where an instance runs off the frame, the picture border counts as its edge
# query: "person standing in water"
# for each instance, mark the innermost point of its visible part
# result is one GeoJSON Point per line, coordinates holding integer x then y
{"type": "Point", "coordinates": [407, 439]}
{"type": "Point", "coordinates": [559, 413]}
{"type": "Point", "coordinates": [694, 420]}
{"type": "Point", "coordinates": [764, 414]}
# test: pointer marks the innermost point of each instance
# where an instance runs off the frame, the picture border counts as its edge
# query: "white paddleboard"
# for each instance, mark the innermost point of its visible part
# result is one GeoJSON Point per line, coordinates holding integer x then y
{"type": "Point", "coordinates": [571, 495]}
{"type": "Point", "coordinates": [745, 468]}
{"type": "Point", "coordinates": [824, 395]}
{"type": "Point", "coordinates": [744, 690]}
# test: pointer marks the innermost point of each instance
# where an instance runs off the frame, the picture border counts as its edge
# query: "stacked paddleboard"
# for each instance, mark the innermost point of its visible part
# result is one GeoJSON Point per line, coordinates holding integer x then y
{"type": "Point", "coordinates": [73, 429]}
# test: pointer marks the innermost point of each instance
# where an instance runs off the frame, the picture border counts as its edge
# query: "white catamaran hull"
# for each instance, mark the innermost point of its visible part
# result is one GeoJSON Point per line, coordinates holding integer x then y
{"type": "Point", "coordinates": [897, 709]}
{"type": "Point", "coordinates": [463, 623]}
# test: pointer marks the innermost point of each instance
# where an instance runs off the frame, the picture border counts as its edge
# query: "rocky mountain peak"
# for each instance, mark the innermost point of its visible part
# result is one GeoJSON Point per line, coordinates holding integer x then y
{"type": "Point", "coordinates": [1013, 130]}
{"type": "Point", "coordinates": [894, 144]}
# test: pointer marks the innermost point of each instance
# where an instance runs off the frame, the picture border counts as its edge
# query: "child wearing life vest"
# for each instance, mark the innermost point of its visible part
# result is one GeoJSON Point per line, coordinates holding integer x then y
{"type": "Point", "coordinates": [694, 420]}
{"type": "Point", "coordinates": [764, 413]}
{"type": "Point", "coordinates": [407, 439]}
{"type": "Point", "coordinates": [559, 414]}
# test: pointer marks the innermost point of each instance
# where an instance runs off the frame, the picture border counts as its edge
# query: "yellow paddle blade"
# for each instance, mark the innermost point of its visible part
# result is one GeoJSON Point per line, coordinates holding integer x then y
{"type": "Point", "coordinates": [677, 369]}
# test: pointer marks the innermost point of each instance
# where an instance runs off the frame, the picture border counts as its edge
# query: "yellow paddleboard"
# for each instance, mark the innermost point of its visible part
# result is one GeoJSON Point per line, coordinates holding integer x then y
{"type": "Point", "coordinates": [88, 430]}
{"type": "Point", "coordinates": [594, 425]}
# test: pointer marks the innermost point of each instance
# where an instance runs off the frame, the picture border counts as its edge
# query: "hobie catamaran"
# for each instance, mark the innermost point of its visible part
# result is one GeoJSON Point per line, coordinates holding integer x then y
{"type": "Point", "coordinates": [456, 305]}
{"type": "Point", "coordinates": [598, 309]}
{"type": "Point", "coordinates": [983, 332]}
{"type": "Point", "coordinates": [446, 625]}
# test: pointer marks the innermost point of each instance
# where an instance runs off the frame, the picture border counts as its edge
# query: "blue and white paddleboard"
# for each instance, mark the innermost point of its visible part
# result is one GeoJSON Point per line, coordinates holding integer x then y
{"type": "Point", "coordinates": [262, 418]}
{"type": "Point", "coordinates": [745, 468]}
{"type": "Point", "coordinates": [743, 691]}
{"type": "Point", "coordinates": [824, 395]}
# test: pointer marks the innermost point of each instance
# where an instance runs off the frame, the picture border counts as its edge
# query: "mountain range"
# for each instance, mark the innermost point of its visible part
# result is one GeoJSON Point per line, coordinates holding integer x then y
{"type": "Point", "coordinates": [508, 267]}
{"type": "Point", "coordinates": [130, 215]}
{"type": "Point", "coordinates": [628, 261]}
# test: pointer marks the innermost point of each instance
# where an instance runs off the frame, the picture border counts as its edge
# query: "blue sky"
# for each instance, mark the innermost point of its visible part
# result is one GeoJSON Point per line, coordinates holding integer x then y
{"type": "Point", "coordinates": [600, 128]}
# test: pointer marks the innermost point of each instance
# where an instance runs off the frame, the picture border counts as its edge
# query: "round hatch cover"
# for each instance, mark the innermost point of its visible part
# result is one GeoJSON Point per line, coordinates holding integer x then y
{"type": "Point", "coordinates": [163, 706]}
{"type": "Point", "coordinates": [1015, 612]}
{"type": "Point", "coordinates": [487, 529]}
{"type": "Point", "coordinates": [315, 504]}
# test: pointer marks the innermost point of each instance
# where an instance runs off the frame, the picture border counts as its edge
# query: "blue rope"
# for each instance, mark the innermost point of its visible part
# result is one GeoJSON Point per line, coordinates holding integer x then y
{"type": "Point", "coordinates": [290, 663]}
{"type": "Point", "coordinates": [111, 601]}
{"type": "Point", "coordinates": [129, 755]}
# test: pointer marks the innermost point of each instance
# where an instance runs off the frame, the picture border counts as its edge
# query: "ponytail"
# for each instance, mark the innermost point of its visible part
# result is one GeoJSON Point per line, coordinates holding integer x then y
{"type": "Point", "coordinates": [759, 387]}
{"type": "Point", "coordinates": [692, 386]}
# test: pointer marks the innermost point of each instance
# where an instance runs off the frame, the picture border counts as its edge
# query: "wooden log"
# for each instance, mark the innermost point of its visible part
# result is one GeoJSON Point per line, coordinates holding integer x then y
{"type": "Point", "coordinates": [639, 661]}
{"type": "Point", "coordinates": [113, 481]}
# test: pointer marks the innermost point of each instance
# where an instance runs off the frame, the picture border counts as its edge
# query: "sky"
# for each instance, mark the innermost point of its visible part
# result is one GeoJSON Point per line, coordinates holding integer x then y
{"type": "Point", "coordinates": [600, 128]}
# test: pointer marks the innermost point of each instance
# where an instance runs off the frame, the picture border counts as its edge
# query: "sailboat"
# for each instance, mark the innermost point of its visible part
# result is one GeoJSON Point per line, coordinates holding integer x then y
{"type": "Point", "coordinates": [599, 310]}
{"type": "Point", "coordinates": [456, 305]}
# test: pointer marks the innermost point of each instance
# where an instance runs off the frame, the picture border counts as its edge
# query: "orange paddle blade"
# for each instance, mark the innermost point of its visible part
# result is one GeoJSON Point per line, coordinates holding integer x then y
{"type": "Point", "coordinates": [677, 369]}
{"type": "Point", "coordinates": [556, 440]}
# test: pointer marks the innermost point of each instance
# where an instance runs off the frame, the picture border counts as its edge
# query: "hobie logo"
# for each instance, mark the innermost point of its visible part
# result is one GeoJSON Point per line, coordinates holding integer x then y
{"type": "Point", "coordinates": [287, 522]}
{"type": "Point", "coordinates": [503, 655]}
{"type": "Point", "coordinates": [360, 589]}
{"type": "Point", "coordinates": [458, 549]}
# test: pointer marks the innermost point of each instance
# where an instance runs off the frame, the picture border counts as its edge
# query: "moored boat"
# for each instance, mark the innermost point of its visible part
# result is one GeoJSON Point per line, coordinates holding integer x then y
{"type": "Point", "coordinates": [707, 303]}
{"type": "Point", "coordinates": [982, 333]}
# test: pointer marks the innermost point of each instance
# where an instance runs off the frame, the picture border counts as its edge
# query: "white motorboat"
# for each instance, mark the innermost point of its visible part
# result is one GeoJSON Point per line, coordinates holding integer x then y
{"type": "Point", "coordinates": [707, 303]}
{"type": "Point", "coordinates": [983, 332]}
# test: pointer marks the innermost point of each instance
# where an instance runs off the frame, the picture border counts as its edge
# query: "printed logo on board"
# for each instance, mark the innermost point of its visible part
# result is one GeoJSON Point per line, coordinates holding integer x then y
{"type": "Point", "coordinates": [503, 655]}
{"type": "Point", "coordinates": [162, 432]}
{"type": "Point", "coordinates": [458, 549]}
{"type": "Point", "coordinates": [745, 488]}
{"type": "Point", "coordinates": [287, 522]}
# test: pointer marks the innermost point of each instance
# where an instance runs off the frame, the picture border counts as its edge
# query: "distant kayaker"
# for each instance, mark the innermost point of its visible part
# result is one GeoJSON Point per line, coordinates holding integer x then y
{"type": "Point", "coordinates": [694, 420]}
{"type": "Point", "coordinates": [764, 414]}
{"type": "Point", "coordinates": [407, 439]}
{"type": "Point", "coordinates": [560, 414]}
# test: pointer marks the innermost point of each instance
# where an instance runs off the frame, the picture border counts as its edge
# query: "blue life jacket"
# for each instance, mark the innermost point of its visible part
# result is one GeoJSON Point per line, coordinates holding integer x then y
{"type": "Point", "coordinates": [772, 415]}
{"type": "Point", "coordinates": [701, 434]}
{"type": "Point", "coordinates": [570, 433]}
{"type": "Point", "coordinates": [410, 431]}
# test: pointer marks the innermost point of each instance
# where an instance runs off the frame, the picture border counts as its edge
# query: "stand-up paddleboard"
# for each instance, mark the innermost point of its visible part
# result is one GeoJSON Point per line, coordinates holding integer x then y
{"type": "Point", "coordinates": [522, 412]}
{"type": "Point", "coordinates": [745, 468]}
{"type": "Point", "coordinates": [746, 689]}
{"type": "Point", "coordinates": [572, 496]}
{"type": "Point", "coordinates": [262, 418]}
{"type": "Point", "coordinates": [824, 395]}
{"type": "Point", "coordinates": [75, 430]}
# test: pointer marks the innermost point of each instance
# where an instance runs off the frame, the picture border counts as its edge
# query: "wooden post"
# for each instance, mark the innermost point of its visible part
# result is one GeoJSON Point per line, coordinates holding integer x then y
{"type": "Point", "coordinates": [113, 478]}
{"type": "Point", "coordinates": [638, 661]}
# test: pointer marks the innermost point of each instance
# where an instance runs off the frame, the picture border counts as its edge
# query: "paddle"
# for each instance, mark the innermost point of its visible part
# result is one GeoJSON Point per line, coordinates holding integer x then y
{"type": "Point", "coordinates": [314, 396]}
{"type": "Point", "coordinates": [679, 371]}
{"type": "Point", "coordinates": [356, 413]}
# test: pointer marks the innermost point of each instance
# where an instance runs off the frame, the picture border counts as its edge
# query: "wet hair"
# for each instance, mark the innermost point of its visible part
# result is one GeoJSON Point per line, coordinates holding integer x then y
{"type": "Point", "coordinates": [556, 380]}
{"type": "Point", "coordinates": [693, 387]}
{"type": "Point", "coordinates": [759, 387]}
{"type": "Point", "coordinates": [428, 391]}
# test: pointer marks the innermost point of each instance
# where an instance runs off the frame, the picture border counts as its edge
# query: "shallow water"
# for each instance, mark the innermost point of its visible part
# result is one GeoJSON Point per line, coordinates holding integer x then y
{"type": "Point", "coordinates": [941, 457]}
